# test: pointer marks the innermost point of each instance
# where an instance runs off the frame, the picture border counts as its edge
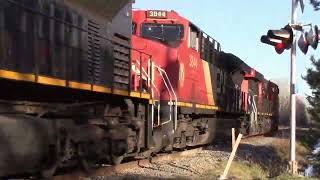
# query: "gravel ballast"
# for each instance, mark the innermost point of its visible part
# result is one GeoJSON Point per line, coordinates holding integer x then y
{"type": "Point", "coordinates": [199, 165]}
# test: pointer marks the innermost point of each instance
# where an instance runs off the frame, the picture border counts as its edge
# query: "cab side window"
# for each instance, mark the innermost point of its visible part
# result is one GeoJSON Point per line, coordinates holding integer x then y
{"type": "Point", "coordinates": [194, 38]}
{"type": "Point", "coordinates": [134, 28]}
{"type": "Point", "coordinates": [220, 80]}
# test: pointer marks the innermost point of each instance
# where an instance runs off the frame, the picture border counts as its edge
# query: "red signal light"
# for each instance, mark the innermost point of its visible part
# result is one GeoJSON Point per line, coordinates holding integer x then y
{"type": "Point", "coordinates": [280, 46]}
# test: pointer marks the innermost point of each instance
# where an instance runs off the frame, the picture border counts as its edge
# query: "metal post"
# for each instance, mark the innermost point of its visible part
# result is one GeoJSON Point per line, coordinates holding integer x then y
{"type": "Point", "coordinates": [293, 164]}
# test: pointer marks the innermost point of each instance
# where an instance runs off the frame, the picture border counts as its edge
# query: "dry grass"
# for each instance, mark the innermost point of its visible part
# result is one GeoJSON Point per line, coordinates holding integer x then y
{"type": "Point", "coordinates": [282, 147]}
{"type": "Point", "coordinates": [244, 171]}
{"type": "Point", "coordinates": [239, 170]}
{"type": "Point", "coordinates": [288, 176]}
{"type": "Point", "coordinates": [271, 162]}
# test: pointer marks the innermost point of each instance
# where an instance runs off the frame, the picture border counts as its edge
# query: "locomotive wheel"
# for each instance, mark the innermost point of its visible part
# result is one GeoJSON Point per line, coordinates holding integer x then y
{"type": "Point", "coordinates": [244, 126]}
{"type": "Point", "coordinates": [48, 173]}
{"type": "Point", "coordinates": [116, 160]}
{"type": "Point", "coordinates": [62, 148]}
{"type": "Point", "coordinates": [87, 165]}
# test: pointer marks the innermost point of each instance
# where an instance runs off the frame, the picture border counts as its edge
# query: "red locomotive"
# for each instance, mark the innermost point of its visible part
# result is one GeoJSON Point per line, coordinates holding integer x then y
{"type": "Point", "coordinates": [213, 91]}
{"type": "Point", "coordinates": [93, 82]}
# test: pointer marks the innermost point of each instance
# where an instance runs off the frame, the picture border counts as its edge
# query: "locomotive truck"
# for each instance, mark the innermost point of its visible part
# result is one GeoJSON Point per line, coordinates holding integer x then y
{"type": "Point", "coordinates": [89, 82]}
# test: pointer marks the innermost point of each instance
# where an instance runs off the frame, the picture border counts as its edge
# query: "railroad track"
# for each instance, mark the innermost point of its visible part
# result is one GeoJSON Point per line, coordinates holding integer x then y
{"type": "Point", "coordinates": [251, 136]}
{"type": "Point", "coordinates": [109, 170]}
{"type": "Point", "coordinates": [112, 170]}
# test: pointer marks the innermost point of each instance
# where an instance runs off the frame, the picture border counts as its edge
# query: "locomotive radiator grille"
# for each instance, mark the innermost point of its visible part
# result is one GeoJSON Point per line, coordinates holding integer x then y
{"type": "Point", "coordinates": [121, 54]}
{"type": "Point", "coordinates": [94, 52]}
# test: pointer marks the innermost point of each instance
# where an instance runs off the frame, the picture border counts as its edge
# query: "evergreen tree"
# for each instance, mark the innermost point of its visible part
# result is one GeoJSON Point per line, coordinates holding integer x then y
{"type": "Point", "coordinates": [315, 4]}
{"type": "Point", "coordinates": [313, 79]}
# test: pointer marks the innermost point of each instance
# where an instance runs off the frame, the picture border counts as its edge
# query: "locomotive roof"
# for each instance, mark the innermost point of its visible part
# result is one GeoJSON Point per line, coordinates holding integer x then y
{"type": "Point", "coordinates": [105, 8]}
{"type": "Point", "coordinates": [259, 76]}
{"type": "Point", "coordinates": [234, 62]}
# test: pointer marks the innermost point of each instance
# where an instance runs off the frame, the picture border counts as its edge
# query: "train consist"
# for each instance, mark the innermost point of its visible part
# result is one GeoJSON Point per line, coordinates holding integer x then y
{"type": "Point", "coordinates": [89, 82]}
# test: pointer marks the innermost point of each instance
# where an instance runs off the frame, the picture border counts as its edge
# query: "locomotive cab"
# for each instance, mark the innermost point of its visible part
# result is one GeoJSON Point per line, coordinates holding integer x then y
{"type": "Point", "coordinates": [178, 47]}
{"type": "Point", "coordinates": [169, 34]}
{"type": "Point", "coordinates": [158, 27]}
{"type": "Point", "coordinates": [182, 68]}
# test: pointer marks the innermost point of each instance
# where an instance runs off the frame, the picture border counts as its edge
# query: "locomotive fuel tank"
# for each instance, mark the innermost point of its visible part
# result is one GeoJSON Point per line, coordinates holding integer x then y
{"type": "Point", "coordinates": [25, 143]}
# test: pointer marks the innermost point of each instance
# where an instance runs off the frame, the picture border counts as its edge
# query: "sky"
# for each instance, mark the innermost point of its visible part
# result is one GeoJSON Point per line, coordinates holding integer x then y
{"type": "Point", "coordinates": [239, 25]}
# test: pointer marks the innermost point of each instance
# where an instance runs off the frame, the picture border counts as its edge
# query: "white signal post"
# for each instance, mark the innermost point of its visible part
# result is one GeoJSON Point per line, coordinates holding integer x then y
{"type": "Point", "coordinates": [293, 163]}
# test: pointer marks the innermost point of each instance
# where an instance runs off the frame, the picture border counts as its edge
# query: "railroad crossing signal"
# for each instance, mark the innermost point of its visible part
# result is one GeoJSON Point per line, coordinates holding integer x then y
{"type": "Point", "coordinates": [307, 39]}
{"type": "Point", "coordinates": [281, 39]}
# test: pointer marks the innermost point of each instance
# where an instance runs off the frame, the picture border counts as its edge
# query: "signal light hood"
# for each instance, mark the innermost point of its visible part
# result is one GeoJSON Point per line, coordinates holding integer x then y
{"type": "Point", "coordinates": [303, 43]}
{"type": "Point", "coordinates": [280, 39]}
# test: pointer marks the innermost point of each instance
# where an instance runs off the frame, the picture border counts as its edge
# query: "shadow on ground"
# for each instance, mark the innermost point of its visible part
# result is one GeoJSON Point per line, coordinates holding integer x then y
{"type": "Point", "coordinates": [133, 177]}
{"type": "Point", "coordinates": [266, 156]}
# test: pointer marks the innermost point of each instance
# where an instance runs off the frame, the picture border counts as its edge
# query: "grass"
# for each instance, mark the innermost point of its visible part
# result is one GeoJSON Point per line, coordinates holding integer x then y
{"type": "Point", "coordinates": [308, 139]}
{"type": "Point", "coordinates": [239, 170]}
{"type": "Point", "coordinates": [282, 147]}
{"type": "Point", "coordinates": [287, 176]}
{"type": "Point", "coordinates": [245, 171]}
{"type": "Point", "coordinates": [275, 167]}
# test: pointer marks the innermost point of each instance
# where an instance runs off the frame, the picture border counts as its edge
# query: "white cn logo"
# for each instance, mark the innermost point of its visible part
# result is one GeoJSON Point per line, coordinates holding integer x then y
{"type": "Point", "coordinates": [193, 61]}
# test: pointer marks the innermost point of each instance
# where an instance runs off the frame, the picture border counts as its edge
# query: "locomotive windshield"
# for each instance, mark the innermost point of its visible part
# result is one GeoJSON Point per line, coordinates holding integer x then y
{"type": "Point", "coordinates": [165, 33]}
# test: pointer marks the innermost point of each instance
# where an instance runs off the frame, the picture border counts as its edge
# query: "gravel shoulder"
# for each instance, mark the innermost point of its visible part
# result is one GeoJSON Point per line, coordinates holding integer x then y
{"type": "Point", "coordinates": [194, 166]}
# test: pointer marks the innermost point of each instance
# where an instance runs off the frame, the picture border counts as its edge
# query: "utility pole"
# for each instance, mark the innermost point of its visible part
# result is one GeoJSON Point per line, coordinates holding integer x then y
{"type": "Point", "coordinates": [293, 163]}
